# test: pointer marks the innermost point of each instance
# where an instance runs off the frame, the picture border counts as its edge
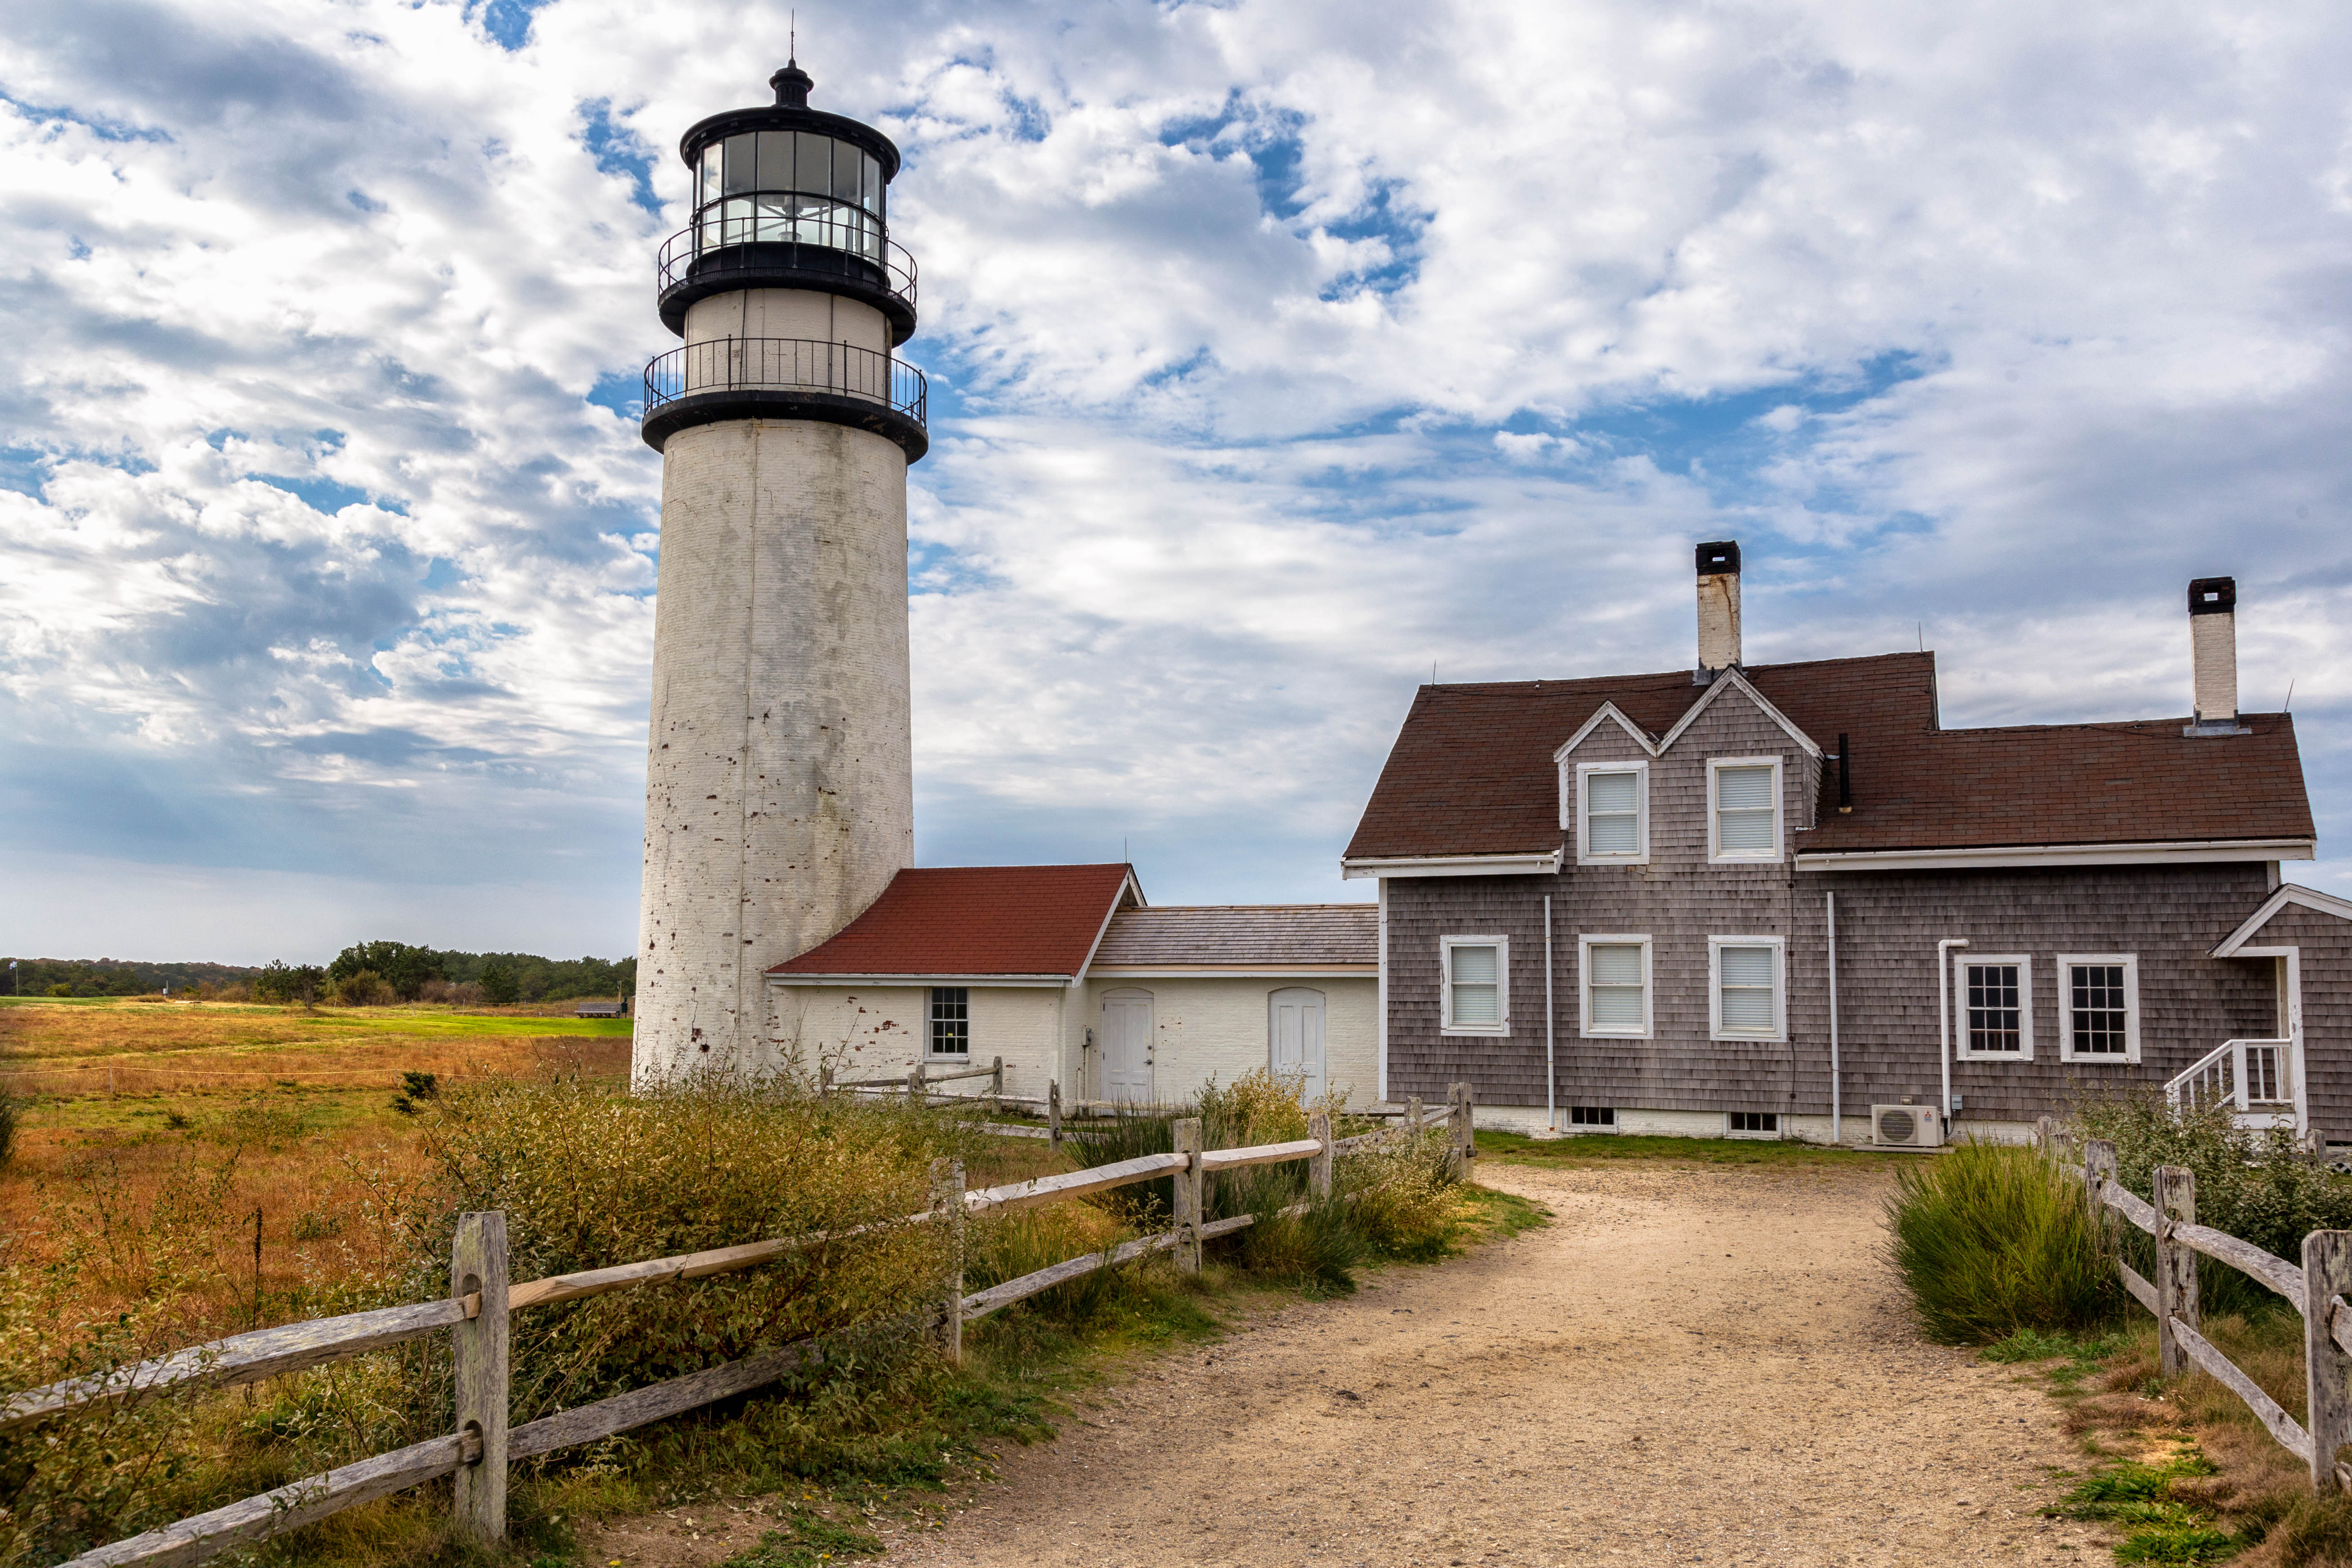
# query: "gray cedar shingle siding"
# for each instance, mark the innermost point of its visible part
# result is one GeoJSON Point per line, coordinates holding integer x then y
{"type": "Point", "coordinates": [1889, 924]}
{"type": "Point", "coordinates": [2327, 962]}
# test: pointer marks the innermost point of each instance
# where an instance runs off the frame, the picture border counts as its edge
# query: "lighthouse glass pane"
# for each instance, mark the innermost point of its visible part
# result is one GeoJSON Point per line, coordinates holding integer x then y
{"type": "Point", "coordinates": [775, 159]}
{"type": "Point", "coordinates": [845, 171]}
{"type": "Point", "coordinates": [742, 165]}
{"type": "Point", "coordinates": [813, 171]}
{"type": "Point", "coordinates": [773, 224]}
{"type": "Point", "coordinates": [870, 188]}
{"type": "Point", "coordinates": [707, 190]}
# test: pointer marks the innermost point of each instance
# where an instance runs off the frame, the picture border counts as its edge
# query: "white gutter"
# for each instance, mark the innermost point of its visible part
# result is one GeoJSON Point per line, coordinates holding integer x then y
{"type": "Point", "coordinates": [1538, 864]}
{"type": "Point", "coordinates": [1551, 1077]}
{"type": "Point", "coordinates": [1837, 1118]}
{"type": "Point", "coordinates": [1944, 1021]}
{"type": "Point", "coordinates": [2192, 852]}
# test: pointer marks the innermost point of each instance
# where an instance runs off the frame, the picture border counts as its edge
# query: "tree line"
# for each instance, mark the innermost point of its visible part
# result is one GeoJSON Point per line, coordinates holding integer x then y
{"type": "Point", "coordinates": [364, 972]}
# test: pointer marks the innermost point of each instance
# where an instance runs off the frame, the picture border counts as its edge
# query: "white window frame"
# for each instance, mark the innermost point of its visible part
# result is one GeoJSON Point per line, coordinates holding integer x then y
{"type": "Point", "coordinates": [1715, 851]}
{"type": "Point", "coordinates": [1445, 1023]}
{"type": "Point", "coordinates": [1640, 855]}
{"type": "Point", "coordinates": [2066, 1051]}
{"type": "Point", "coordinates": [1715, 946]}
{"type": "Point", "coordinates": [1962, 959]}
{"type": "Point", "coordinates": [1585, 943]}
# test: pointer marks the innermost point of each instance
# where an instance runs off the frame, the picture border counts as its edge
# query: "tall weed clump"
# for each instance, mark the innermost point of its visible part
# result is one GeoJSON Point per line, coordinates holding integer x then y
{"type": "Point", "coordinates": [2254, 1183]}
{"type": "Point", "coordinates": [591, 1176]}
{"type": "Point", "coordinates": [1993, 1239]}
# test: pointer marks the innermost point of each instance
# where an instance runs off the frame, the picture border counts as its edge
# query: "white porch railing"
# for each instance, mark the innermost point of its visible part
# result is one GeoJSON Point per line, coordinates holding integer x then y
{"type": "Point", "coordinates": [2260, 1081]}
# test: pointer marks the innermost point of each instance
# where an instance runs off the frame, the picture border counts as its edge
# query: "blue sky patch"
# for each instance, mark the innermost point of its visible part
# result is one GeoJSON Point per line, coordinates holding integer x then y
{"type": "Point", "coordinates": [619, 150]}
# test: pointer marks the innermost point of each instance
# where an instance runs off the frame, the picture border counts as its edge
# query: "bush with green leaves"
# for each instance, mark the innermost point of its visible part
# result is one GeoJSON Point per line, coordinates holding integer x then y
{"type": "Point", "coordinates": [1993, 1239]}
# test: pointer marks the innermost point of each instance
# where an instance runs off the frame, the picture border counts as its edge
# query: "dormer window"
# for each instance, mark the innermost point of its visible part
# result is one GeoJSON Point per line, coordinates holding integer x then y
{"type": "Point", "coordinates": [1613, 813]}
{"type": "Point", "coordinates": [1743, 808]}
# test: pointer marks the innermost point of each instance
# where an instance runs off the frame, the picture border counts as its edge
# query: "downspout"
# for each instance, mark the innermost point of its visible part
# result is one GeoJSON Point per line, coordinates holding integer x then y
{"type": "Point", "coordinates": [1381, 1000]}
{"type": "Point", "coordinates": [1944, 1023]}
{"type": "Point", "coordinates": [1552, 1075]}
{"type": "Point", "coordinates": [1837, 1117]}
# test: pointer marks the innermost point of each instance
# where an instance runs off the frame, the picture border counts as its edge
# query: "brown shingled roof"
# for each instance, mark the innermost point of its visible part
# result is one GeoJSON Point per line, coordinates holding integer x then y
{"type": "Point", "coordinates": [1233, 935]}
{"type": "Point", "coordinates": [1472, 770]}
{"type": "Point", "coordinates": [975, 921]}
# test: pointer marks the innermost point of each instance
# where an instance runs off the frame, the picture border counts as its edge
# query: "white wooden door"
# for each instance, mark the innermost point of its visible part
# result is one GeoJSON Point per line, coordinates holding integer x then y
{"type": "Point", "coordinates": [1127, 1045]}
{"type": "Point", "coordinates": [1294, 1029]}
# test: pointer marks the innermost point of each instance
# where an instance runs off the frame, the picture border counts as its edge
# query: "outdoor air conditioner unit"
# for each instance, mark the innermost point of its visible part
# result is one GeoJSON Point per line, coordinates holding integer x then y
{"type": "Point", "coordinates": [1905, 1126]}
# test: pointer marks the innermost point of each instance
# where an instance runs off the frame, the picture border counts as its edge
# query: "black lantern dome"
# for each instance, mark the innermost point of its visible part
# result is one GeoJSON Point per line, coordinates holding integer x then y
{"type": "Point", "coordinates": [786, 196]}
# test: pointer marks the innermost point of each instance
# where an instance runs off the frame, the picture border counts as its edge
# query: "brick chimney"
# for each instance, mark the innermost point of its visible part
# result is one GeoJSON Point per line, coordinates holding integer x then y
{"type": "Point", "coordinates": [2213, 649]}
{"type": "Point", "coordinates": [1718, 609]}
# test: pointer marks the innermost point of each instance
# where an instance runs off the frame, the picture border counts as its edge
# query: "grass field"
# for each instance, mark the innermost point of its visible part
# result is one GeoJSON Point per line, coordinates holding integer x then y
{"type": "Point", "coordinates": [1607, 1148]}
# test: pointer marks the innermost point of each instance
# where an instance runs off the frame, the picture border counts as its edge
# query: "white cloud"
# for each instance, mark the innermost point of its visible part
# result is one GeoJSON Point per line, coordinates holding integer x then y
{"type": "Point", "coordinates": [1279, 350]}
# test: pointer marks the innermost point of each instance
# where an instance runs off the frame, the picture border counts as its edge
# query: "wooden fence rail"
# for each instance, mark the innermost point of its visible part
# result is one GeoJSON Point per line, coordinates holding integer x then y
{"type": "Point", "coordinates": [2317, 1292]}
{"type": "Point", "coordinates": [478, 1309]}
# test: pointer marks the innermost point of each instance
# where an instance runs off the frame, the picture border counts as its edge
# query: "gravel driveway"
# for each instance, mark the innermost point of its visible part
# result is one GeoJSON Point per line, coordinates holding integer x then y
{"type": "Point", "coordinates": [1689, 1364]}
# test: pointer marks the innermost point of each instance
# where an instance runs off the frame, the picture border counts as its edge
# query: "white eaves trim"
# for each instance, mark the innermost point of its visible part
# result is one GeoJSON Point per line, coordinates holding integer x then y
{"type": "Point", "coordinates": [1454, 866]}
{"type": "Point", "coordinates": [1729, 679]}
{"type": "Point", "coordinates": [2184, 853]}
{"type": "Point", "coordinates": [913, 979]}
{"type": "Point", "coordinates": [1233, 972]}
{"type": "Point", "coordinates": [2288, 893]}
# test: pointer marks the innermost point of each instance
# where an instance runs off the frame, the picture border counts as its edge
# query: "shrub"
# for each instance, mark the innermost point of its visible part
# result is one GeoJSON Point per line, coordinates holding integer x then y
{"type": "Point", "coordinates": [2256, 1185]}
{"type": "Point", "coordinates": [365, 989]}
{"type": "Point", "coordinates": [9, 1114]}
{"type": "Point", "coordinates": [1994, 1238]}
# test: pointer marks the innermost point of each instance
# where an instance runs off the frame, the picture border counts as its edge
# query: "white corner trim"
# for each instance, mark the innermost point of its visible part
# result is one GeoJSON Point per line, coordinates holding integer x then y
{"type": "Point", "coordinates": [1531, 864]}
{"type": "Point", "coordinates": [1573, 819]}
{"type": "Point", "coordinates": [1962, 959]}
{"type": "Point", "coordinates": [2288, 893]}
{"type": "Point", "coordinates": [1779, 946]}
{"type": "Point", "coordinates": [2188, 852]}
{"type": "Point", "coordinates": [1445, 1023]}
{"type": "Point", "coordinates": [2066, 1051]}
{"type": "Point", "coordinates": [1585, 942]}
{"type": "Point", "coordinates": [1610, 711]}
{"type": "Point", "coordinates": [1733, 679]}
{"type": "Point", "coordinates": [1715, 853]}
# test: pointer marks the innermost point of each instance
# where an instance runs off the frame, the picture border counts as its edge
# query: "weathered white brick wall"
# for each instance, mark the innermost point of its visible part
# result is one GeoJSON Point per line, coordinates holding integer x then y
{"type": "Point", "coordinates": [779, 777]}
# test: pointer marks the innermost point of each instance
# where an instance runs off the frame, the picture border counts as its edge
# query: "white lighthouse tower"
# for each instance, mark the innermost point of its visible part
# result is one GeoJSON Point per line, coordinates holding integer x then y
{"type": "Point", "coordinates": [779, 778]}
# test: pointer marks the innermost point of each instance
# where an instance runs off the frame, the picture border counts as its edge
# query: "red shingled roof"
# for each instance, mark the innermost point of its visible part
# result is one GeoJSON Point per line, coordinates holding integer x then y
{"type": "Point", "coordinates": [976, 920]}
{"type": "Point", "coordinates": [1472, 770]}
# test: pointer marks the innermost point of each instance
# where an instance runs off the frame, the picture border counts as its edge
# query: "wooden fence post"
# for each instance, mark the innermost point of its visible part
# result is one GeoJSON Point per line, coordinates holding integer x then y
{"type": "Point", "coordinates": [1188, 1197]}
{"type": "Point", "coordinates": [2098, 1170]}
{"type": "Point", "coordinates": [1053, 1111]}
{"type": "Point", "coordinates": [1318, 1166]}
{"type": "Point", "coordinates": [477, 1262]}
{"type": "Point", "coordinates": [2176, 1264]}
{"type": "Point", "coordinates": [2327, 1371]}
{"type": "Point", "coordinates": [1461, 1146]}
{"type": "Point", "coordinates": [919, 1085]}
{"type": "Point", "coordinates": [947, 1201]}
{"type": "Point", "coordinates": [824, 1081]}
{"type": "Point", "coordinates": [1413, 1118]}
{"type": "Point", "coordinates": [996, 1085]}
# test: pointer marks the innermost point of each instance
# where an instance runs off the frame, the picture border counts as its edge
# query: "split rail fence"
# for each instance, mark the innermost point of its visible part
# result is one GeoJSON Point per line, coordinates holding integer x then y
{"type": "Point", "coordinates": [2318, 1290]}
{"type": "Point", "coordinates": [482, 1300]}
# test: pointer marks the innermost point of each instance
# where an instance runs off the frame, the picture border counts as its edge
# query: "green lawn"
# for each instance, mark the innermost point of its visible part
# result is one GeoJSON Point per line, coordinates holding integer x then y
{"type": "Point", "coordinates": [1512, 1149]}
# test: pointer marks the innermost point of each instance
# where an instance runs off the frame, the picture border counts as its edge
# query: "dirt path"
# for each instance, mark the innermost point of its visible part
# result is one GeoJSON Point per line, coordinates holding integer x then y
{"type": "Point", "coordinates": [1688, 1365]}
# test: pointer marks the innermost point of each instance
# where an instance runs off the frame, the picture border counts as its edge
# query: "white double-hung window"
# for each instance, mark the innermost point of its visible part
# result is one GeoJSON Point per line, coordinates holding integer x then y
{"type": "Point", "coordinates": [1475, 984]}
{"type": "Point", "coordinates": [2100, 1002]}
{"type": "Point", "coordinates": [1743, 818]}
{"type": "Point", "coordinates": [1615, 985]}
{"type": "Point", "coordinates": [1747, 987]}
{"type": "Point", "coordinates": [1995, 1003]}
{"type": "Point", "coordinates": [1613, 813]}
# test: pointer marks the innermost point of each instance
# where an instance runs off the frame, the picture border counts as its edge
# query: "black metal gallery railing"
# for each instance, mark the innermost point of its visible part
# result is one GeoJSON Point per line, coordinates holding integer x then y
{"type": "Point", "coordinates": [785, 364]}
{"type": "Point", "coordinates": [784, 231]}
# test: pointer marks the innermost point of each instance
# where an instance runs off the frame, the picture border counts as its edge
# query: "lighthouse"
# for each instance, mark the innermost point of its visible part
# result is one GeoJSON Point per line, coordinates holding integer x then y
{"type": "Point", "coordinates": [779, 773]}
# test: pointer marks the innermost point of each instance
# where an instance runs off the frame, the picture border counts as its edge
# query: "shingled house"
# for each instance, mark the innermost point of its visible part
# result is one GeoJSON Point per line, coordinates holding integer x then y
{"type": "Point", "coordinates": [1784, 900]}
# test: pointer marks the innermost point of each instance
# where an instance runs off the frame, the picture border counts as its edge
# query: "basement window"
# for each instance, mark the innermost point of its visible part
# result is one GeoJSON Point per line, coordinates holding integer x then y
{"type": "Point", "coordinates": [950, 1021]}
{"type": "Point", "coordinates": [1752, 1124]}
{"type": "Point", "coordinates": [1592, 1116]}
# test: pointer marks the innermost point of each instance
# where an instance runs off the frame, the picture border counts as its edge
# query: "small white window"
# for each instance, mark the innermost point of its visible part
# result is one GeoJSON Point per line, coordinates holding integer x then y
{"type": "Point", "coordinates": [1592, 1116]}
{"type": "Point", "coordinates": [1743, 808]}
{"type": "Point", "coordinates": [1746, 987]}
{"type": "Point", "coordinates": [1751, 1123]}
{"type": "Point", "coordinates": [1994, 1001]}
{"type": "Point", "coordinates": [1475, 985]}
{"type": "Point", "coordinates": [1615, 985]}
{"type": "Point", "coordinates": [1613, 821]}
{"type": "Point", "coordinates": [2098, 1007]}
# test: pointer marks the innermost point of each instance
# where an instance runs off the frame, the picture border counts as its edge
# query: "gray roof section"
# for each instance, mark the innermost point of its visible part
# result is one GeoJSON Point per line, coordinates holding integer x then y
{"type": "Point", "coordinates": [1234, 935]}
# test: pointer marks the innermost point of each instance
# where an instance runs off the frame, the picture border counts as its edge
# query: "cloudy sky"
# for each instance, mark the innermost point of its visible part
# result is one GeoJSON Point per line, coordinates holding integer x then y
{"type": "Point", "coordinates": [1280, 350]}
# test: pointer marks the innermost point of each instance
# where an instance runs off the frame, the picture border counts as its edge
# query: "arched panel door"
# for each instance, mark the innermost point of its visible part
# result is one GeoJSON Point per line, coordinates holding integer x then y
{"type": "Point", "coordinates": [1127, 1045]}
{"type": "Point", "coordinates": [1295, 1037]}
